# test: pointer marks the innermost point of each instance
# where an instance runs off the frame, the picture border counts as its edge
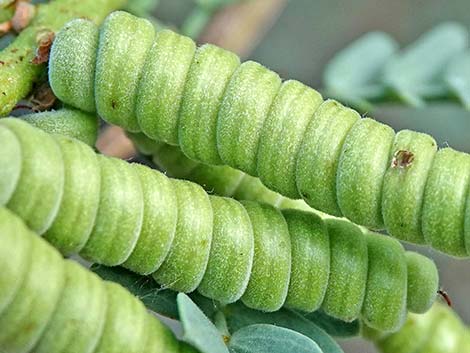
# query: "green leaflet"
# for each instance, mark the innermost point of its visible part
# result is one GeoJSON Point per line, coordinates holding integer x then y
{"type": "Point", "coordinates": [412, 80]}
{"type": "Point", "coordinates": [354, 73]}
{"type": "Point", "coordinates": [264, 338]}
{"type": "Point", "coordinates": [197, 328]}
{"type": "Point", "coordinates": [225, 249]}
{"type": "Point", "coordinates": [245, 117]}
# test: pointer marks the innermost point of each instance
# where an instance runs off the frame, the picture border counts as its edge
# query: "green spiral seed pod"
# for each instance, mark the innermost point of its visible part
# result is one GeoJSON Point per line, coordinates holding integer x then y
{"type": "Point", "coordinates": [227, 250]}
{"type": "Point", "coordinates": [69, 122]}
{"type": "Point", "coordinates": [437, 331]}
{"type": "Point", "coordinates": [75, 312]}
{"type": "Point", "coordinates": [222, 112]}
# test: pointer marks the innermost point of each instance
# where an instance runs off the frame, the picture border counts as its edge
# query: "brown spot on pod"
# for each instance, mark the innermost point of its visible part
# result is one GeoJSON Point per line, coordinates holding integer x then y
{"type": "Point", "coordinates": [45, 40]}
{"type": "Point", "coordinates": [402, 159]}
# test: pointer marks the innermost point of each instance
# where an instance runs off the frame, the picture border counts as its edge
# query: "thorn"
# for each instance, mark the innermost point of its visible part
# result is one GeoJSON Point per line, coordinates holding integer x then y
{"type": "Point", "coordinates": [445, 296]}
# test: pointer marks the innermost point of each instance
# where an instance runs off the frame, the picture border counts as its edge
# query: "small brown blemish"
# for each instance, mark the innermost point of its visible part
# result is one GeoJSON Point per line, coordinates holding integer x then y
{"type": "Point", "coordinates": [44, 47]}
{"type": "Point", "coordinates": [226, 339]}
{"type": "Point", "coordinates": [14, 50]}
{"type": "Point", "coordinates": [402, 159]}
{"type": "Point", "coordinates": [113, 104]}
{"type": "Point", "coordinates": [2, 62]}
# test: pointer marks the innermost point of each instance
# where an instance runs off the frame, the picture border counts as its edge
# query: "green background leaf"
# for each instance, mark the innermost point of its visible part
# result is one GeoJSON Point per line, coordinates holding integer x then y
{"type": "Point", "coordinates": [264, 338]}
{"type": "Point", "coordinates": [198, 330]}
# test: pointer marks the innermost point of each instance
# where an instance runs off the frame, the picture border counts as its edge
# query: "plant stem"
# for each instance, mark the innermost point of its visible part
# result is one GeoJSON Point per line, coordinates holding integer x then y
{"type": "Point", "coordinates": [17, 73]}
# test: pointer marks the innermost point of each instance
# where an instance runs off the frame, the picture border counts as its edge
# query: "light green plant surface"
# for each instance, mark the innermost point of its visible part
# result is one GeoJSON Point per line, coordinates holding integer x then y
{"type": "Point", "coordinates": [115, 213]}
{"type": "Point", "coordinates": [52, 305]}
{"type": "Point", "coordinates": [69, 122]}
{"type": "Point", "coordinates": [372, 69]}
{"type": "Point", "coordinates": [17, 73]}
{"type": "Point", "coordinates": [439, 330]}
{"type": "Point", "coordinates": [354, 164]}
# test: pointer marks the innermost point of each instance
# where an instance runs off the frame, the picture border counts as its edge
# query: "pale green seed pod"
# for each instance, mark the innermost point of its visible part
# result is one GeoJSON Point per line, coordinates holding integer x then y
{"type": "Point", "coordinates": [11, 159]}
{"type": "Point", "coordinates": [385, 297]}
{"type": "Point", "coordinates": [231, 255]}
{"type": "Point", "coordinates": [158, 223]}
{"type": "Point", "coordinates": [69, 122]}
{"type": "Point", "coordinates": [34, 302]}
{"type": "Point", "coordinates": [228, 250]}
{"type": "Point", "coordinates": [220, 112]}
{"type": "Point", "coordinates": [361, 169]}
{"type": "Point", "coordinates": [282, 134]}
{"type": "Point", "coordinates": [162, 84]}
{"type": "Point", "coordinates": [246, 105]}
{"type": "Point", "coordinates": [438, 331]}
{"type": "Point", "coordinates": [317, 164]}
{"type": "Point", "coordinates": [119, 219]}
{"type": "Point", "coordinates": [310, 268]}
{"type": "Point", "coordinates": [206, 83]}
{"type": "Point", "coordinates": [72, 74]}
{"type": "Point", "coordinates": [404, 183]}
{"type": "Point", "coordinates": [116, 98]}
{"type": "Point", "coordinates": [445, 198]}
{"type": "Point", "coordinates": [37, 204]}
{"type": "Point", "coordinates": [184, 267]}
{"type": "Point", "coordinates": [270, 274]}
{"type": "Point", "coordinates": [348, 271]}
{"type": "Point", "coordinates": [75, 311]}
{"type": "Point", "coordinates": [422, 282]}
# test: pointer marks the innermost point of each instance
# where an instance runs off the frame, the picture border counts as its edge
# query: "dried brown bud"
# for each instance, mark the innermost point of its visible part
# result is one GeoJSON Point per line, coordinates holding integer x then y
{"type": "Point", "coordinates": [44, 47]}
{"type": "Point", "coordinates": [402, 159]}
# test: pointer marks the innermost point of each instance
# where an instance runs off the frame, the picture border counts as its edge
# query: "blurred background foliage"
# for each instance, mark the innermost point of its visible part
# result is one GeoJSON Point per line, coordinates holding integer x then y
{"type": "Point", "coordinates": [308, 34]}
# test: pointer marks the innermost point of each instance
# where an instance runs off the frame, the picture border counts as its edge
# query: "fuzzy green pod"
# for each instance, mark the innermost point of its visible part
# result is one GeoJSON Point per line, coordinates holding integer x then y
{"type": "Point", "coordinates": [116, 99]}
{"type": "Point", "coordinates": [362, 165]}
{"type": "Point", "coordinates": [317, 163]}
{"type": "Point", "coordinates": [245, 106]}
{"type": "Point", "coordinates": [14, 264]}
{"type": "Point", "coordinates": [231, 255]}
{"type": "Point", "coordinates": [184, 267]}
{"type": "Point", "coordinates": [11, 159]}
{"type": "Point", "coordinates": [270, 275]}
{"type": "Point", "coordinates": [158, 223]}
{"type": "Point", "coordinates": [423, 282]}
{"type": "Point", "coordinates": [34, 302]}
{"type": "Point", "coordinates": [66, 121]}
{"type": "Point", "coordinates": [438, 331]}
{"type": "Point", "coordinates": [76, 217]}
{"type": "Point", "coordinates": [282, 134]}
{"type": "Point", "coordinates": [120, 212]}
{"type": "Point", "coordinates": [81, 308]}
{"type": "Point", "coordinates": [207, 80]}
{"type": "Point", "coordinates": [265, 128]}
{"type": "Point", "coordinates": [39, 203]}
{"type": "Point", "coordinates": [162, 84]}
{"type": "Point", "coordinates": [268, 258]}
{"type": "Point", "coordinates": [385, 297]}
{"type": "Point", "coordinates": [72, 74]}
{"type": "Point", "coordinates": [75, 312]}
{"type": "Point", "coordinates": [404, 183]}
{"type": "Point", "coordinates": [444, 202]}
{"type": "Point", "coordinates": [348, 271]}
{"type": "Point", "coordinates": [310, 268]}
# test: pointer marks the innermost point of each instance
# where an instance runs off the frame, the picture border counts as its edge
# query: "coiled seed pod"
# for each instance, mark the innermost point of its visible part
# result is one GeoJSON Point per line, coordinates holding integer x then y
{"type": "Point", "coordinates": [437, 331]}
{"type": "Point", "coordinates": [228, 250]}
{"type": "Point", "coordinates": [222, 112]}
{"type": "Point", "coordinates": [75, 311]}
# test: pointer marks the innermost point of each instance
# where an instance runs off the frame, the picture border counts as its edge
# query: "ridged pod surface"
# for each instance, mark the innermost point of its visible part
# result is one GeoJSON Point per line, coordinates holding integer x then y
{"type": "Point", "coordinates": [52, 305]}
{"type": "Point", "coordinates": [116, 213]}
{"type": "Point", "coordinates": [242, 115]}
{"type": "Point", "coordinates": [440, 330]}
